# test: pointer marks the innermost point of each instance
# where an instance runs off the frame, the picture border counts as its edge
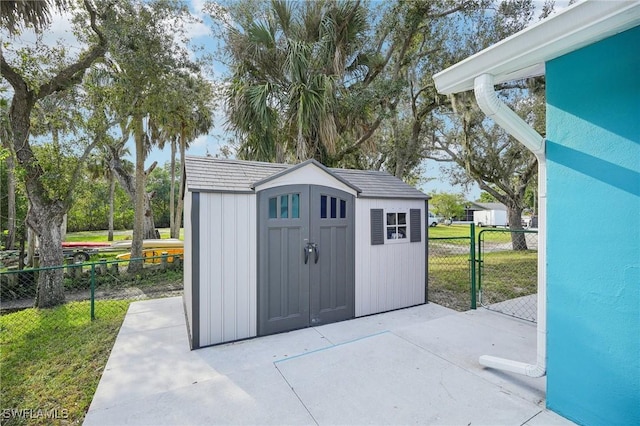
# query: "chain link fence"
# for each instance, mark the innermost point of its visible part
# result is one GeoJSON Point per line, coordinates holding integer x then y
{"type": "Point", "coordinates": [450, 272]}
{"type": "Point", "coordinates": [91, 288]}
{"type": "Point", "coordinates": [508, 272]}
{"type": "Point", "coordinates": [496, 268]}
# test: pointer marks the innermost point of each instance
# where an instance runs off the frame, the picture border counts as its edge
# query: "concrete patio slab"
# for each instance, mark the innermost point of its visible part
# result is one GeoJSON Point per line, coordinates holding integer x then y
{"type": "Point", "coordinates": [385, 379]}
{"type": "Point", "coordinates": [416, 365]}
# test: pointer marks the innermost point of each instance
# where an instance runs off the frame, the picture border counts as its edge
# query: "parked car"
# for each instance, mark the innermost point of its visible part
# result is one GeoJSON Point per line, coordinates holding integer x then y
{"type": "Point", "coordinates": [433, 219]}
{"type": "Point", "coordinates": [530, 221]}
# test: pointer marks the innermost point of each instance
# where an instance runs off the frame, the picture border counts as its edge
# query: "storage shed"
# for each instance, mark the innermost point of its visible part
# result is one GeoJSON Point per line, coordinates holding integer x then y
{"type": "Point", "coordinates": [275, 247]}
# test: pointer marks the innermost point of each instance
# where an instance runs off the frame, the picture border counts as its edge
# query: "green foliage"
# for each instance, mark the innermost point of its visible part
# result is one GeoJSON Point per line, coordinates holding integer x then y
{"type": "Point", "coordinates": [485, 197]}
{"type": "Point", "coordinates": [447, 205]}
{"type": "Point", "coordinates": [91, 203]}
{"type": "Point", "coordinates": [159, 182]}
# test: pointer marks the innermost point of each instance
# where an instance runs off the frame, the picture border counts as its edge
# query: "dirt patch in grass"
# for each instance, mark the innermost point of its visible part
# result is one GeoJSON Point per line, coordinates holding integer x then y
{"type": "Point", "coordinates": [449, 299]}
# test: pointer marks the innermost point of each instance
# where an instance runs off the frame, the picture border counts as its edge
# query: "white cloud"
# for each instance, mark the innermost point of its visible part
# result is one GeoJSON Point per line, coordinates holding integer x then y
{"type": "Point", "coordinates": [198, 29]}
{"type": "Point", "coordinates": [60, 31]}
{"type": "Point", "coordinates": [200, 141]}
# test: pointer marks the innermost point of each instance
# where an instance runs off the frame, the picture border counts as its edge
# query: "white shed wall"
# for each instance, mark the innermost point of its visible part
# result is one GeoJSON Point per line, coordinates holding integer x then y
{"type": "Point", "coordinates": [391, 275]}
{"type": "Point", "coordinates": [188, 259]}
{"type": "Point", "coordinates": [307, 175]}
{"type": "Point", "coordinates": [228, 263]}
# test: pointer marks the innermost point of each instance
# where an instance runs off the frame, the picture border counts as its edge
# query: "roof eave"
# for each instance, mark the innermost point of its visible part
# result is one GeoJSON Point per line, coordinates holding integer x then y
{"type": "Point", "coordinates": [301, 165]}
{"type": "Point", "coordinates": [524, 54]}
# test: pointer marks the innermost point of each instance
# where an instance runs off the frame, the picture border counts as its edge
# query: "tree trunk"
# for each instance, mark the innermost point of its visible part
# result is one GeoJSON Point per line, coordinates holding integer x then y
{"type": "Point", "coordinates": [178, 218]}
{"type": "Point", "coordinates": [140, 211]}
{"type": "Point", "coordinates": [172, 194]}
{"type": "Point", "coordinates": [130, 185]}
{"type": "Point", "coordinates": [45, 219]}
{"type": "Point", "coordinates": [50, 291]}
{"type": "Point", "coordinates": [518, 240]}
{"type": "Point", "coordinates": [31, 245]}
{"type": "Point", "coordinates": [112, 194]}
{"type": "Point", "coordinates": [11, 203]}
{"type": "Point", "coordinates": [45, 213]}
{"type": "Point", "coordinates": [148, 223]}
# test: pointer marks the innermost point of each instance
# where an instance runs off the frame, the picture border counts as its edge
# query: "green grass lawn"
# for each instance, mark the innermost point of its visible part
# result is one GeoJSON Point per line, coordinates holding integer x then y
{"type": "Point", "coordinates": [52, 359]}
{"type": "Point", "coordinates": [101, 236]}
{"type": "Point", "coordinates": [505, 275]}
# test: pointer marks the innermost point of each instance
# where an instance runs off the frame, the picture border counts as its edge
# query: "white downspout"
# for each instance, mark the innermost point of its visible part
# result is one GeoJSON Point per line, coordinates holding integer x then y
{"type": "Point", "coordinates": [519, 129]}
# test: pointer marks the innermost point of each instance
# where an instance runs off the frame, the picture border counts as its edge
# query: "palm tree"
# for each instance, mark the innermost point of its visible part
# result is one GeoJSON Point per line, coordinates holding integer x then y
{"type": "Point", "coordinates": [100, 165]}
{"type": "Point", "coordinates": [189, 116]}
{"type": "Point", "coordinates": [283, 98]}
{"type": "Point", "coordinates": [16, 13]}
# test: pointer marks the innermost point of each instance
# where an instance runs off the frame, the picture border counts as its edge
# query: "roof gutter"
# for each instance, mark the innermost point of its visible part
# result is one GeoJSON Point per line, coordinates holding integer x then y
{"type": "Point", "coordinates": [510, 121]}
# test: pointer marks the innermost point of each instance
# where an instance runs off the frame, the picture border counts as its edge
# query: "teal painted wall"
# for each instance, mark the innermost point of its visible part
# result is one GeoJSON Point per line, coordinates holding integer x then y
{"type": "Point", "coordinates": [593, 253]}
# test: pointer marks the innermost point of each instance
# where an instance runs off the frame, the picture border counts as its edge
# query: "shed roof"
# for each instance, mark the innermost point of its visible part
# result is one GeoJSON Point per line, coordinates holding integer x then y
{"type": "Point", "coordinates": [208, 174]}
{"type": "Point", "coordinates": [489, 206]}
{"type": "Point", "coordinates": [524, 54]}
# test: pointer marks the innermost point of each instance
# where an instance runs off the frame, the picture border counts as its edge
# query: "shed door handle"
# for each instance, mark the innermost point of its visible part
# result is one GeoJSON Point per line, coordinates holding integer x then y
{"type": "Point", "coordinates": [308, 248]}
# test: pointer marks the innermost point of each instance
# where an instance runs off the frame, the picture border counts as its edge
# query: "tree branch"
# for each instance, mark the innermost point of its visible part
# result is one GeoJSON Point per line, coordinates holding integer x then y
{"type": "Point", "coordinates": [73, 73]}
{"type": "Point", "coordinates": [15, 79]}
{"type": "Point", "coordinates": [150, 169]}
{"type": "Point", "coordinates": [352, 148]}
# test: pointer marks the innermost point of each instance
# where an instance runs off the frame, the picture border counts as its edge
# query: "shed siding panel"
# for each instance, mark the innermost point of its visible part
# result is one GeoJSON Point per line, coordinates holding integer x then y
{"type": "Point", "coordinates": [188, 256]}
{"type": "Point", "coordinates": [392, 275]}
{"type": "Point", "coordinates": [228, 267]}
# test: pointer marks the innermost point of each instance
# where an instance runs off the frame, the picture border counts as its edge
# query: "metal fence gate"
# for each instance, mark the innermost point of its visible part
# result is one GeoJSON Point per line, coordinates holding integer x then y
{"type": "Point", "coordinates": [499, 272]}
{"type": "Point", "coordinates": [507, 275]}
{"type": "Point", "coordinates": [450, 271]}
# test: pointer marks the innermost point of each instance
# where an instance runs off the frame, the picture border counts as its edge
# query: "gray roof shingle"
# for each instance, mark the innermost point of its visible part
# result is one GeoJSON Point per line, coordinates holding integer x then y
{"type": "Point", "coordinates": [221, 175]}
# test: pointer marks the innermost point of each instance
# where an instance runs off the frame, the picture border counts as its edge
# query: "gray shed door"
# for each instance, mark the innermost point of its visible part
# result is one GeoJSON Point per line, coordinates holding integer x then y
{"type": "Point", "coordinates": [306, 257]}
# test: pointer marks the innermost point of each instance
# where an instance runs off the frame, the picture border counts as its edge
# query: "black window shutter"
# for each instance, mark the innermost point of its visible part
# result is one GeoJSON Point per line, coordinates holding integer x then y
{"type": "Point", "coordinates": [377, 227]}
{"type": "Point", "coordinates": [416, 225]}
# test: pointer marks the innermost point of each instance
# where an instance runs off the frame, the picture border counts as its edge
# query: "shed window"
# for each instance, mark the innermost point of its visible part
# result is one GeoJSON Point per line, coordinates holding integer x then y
{"type": "Point", "coordinates": [332, 207]}
{"type": "Point", "coordinates": [273, 208]}
{"type": "Point", "coordinates": [295, 206]}
{"type": "Point", "coordinates": [397, 226]}
{"type": "Point", "coordinates": [288, 206]}
{"type": "Point", "coordinates": [323, 206]}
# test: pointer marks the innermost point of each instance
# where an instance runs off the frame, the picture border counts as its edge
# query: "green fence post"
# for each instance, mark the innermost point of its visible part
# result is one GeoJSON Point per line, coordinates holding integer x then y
{"type": "Point", "coordinates": [472, 261]}
{"type": "Point", "coordinates": [93, 291]}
